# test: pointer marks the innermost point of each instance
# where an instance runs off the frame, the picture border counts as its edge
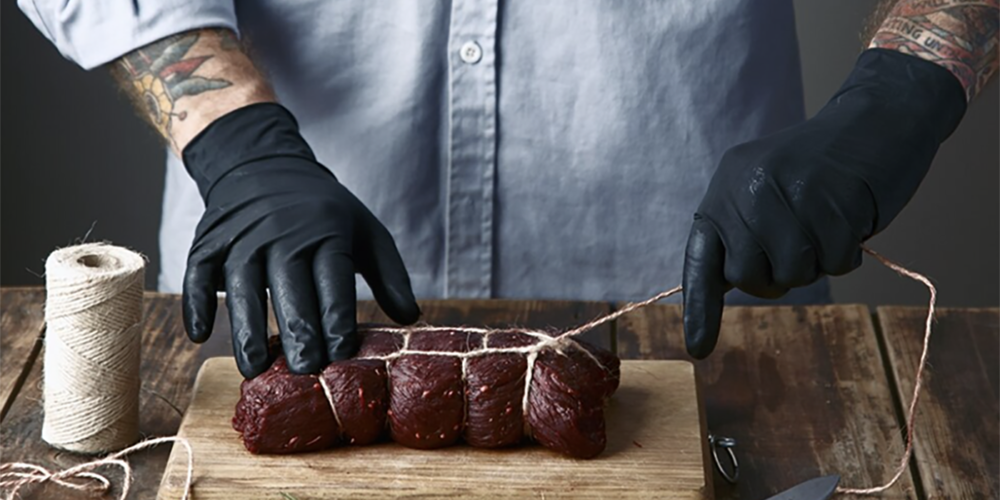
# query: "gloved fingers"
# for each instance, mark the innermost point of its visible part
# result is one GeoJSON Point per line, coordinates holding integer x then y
{"type": "Point", "coordinates": [839, 246]}
{"type": "Point", "coordinates": [838, 216]}
{"type": "Point", "coordinates": [747, 266]}
{"type": "Point", "coordinates": [246, 298]}
{"type": "Point", "coordinates": [790, 253]}
{"type": "Point", "coordinates": [383, 269]}
{"type": "Point", "coordinates": [794, 261]}
{"type": "Point", "coordinates": [705, 287]}
{"type": "Point", "coordinates": [844, 259]}
{"type": "Point", "coordinates": [199, 303]}
{"type": "Point", "coordinates": [296, 310]}
{"type": "Point", "coordinates": [333, 272]}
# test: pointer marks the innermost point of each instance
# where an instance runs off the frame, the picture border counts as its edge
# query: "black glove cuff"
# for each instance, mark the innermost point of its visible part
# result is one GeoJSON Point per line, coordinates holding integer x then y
{"type": "Point", "coordinates": [908, 103]}
{"type": "Point", "coordinates": [250, 133]}
{"type": "Point", "coordinates": [918, 89]}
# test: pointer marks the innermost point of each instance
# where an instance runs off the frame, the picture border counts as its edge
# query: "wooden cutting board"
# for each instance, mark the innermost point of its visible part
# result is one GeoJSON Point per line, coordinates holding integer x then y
{"type": "Point", "coordinates": [656, 449]}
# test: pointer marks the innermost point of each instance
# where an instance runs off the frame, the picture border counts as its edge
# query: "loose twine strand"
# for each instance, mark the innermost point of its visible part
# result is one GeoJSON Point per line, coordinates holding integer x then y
{"type": "Point", "coordinates": [911, 412]}
{"type": "Point", "coordinates": [16, 475]}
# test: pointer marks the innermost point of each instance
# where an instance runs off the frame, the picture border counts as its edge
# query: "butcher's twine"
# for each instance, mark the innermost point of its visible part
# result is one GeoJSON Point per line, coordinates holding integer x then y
{"type": "Point", "coordinates": [911, 412]}
{"type": "Point", "coordinates": [544, 341]}
{"type": "Point", "coordinates": [565, 340]}
{"type": "Point", "coordinates": [15, 475]}
{"type": "Point", "coordinates": [93, 317]}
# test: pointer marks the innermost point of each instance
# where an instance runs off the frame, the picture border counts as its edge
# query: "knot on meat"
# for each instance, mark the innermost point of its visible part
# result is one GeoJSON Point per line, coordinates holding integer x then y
{"type": "Point", "coordinates": [433, 388]}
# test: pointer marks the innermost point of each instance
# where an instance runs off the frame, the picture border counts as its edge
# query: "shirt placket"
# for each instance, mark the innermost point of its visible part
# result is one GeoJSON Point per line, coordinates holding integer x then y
{"type": "Point", "coordinates": [472, 152]}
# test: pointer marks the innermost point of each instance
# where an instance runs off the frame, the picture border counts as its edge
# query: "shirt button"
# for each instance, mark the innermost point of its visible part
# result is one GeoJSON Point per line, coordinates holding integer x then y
{"type": "Point", "coordinates": [471, 52]}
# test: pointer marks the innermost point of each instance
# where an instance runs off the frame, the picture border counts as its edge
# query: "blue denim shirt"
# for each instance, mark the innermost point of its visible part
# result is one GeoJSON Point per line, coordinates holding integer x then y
{"type": "Point", "coordinates": [550, 150]}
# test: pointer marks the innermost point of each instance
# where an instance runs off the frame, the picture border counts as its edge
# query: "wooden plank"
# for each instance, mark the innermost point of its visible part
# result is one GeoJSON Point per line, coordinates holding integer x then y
{"type": "Point", "coordinates": [21, 322]}
{"type": "Point", "coordinates": [655, 448]}
{"type": "Point", "coordinates": [169, 366]}
{"type": "Point", "coordinates": [803, 390]}
{"type": "Point", "coordinates": [957, 439]}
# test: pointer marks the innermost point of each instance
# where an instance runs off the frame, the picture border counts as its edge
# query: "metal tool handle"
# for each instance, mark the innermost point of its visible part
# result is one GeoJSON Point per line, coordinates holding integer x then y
{"type": "Point", "coordinates": [732, 473]}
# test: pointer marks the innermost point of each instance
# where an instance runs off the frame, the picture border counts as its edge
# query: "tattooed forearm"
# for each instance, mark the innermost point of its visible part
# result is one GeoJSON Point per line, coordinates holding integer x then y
{"type": "Point", "coordinates": [183, 82]}
{"type": "Point", "coordinates": [960, 35]}
{"type": "Point", "coordinates": [161, 74]}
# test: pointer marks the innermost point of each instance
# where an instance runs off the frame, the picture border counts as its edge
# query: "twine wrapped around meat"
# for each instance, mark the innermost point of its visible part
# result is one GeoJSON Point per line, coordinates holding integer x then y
{"type": "Point", "coordinates": [433, 389]}
{"type": "Point", "coordinates": [434, 386]}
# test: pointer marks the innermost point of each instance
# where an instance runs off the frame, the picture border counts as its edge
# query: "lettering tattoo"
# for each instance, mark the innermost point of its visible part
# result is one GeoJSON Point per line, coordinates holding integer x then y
{"type": "Point", "coordinates": [960, 35]}
{"type": "Point", "coordinates": [162, 73]}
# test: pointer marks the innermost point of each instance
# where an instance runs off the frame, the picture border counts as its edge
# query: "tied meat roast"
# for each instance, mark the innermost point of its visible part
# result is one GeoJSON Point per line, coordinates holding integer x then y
{"type": "Point", "coordinates": [424, 401]}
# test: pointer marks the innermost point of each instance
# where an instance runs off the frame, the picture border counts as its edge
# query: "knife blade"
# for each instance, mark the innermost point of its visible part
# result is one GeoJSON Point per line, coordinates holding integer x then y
{"type": "Point", "coordinates": [820, 488]}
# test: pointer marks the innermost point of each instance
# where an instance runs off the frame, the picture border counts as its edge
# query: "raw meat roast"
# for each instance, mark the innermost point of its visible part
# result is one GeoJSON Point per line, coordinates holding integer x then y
{"type": "Point", "coordinates": [428, 400]}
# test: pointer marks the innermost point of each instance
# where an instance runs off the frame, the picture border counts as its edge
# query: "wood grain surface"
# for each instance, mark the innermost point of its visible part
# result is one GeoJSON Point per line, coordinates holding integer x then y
{"type": "Point", "coordinates": [655, 448]}
{"type": "Point", "coordinates": [768, 386]}
{"type": "Point", "coordinates": [21, 323]}
{"type": "Point", "coordinates": [957, 446]}
{"type": "Point", "coordinates": [803, 390]}
{"type": "Point", "coordinates": [169, 365]}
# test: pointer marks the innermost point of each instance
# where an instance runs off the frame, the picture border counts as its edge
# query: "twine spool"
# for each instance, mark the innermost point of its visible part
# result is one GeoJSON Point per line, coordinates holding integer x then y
{"type": "Point", "coordinates": [93, 315]}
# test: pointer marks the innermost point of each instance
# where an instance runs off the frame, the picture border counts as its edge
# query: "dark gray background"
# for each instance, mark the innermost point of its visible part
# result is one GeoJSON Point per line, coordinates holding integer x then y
{"type": "Point", "coordinates": [74, 154]}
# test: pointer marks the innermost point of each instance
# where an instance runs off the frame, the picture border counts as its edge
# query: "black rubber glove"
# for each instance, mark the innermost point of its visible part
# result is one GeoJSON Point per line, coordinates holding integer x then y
{"type": "Point", "coordinates": [784, 210]}
{"type": "Point", "coordinates": [275, 218]}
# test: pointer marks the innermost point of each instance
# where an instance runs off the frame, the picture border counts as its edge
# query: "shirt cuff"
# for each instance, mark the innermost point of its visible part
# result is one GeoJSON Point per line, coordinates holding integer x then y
{"type": "Point", "coordinates": [95, 32]}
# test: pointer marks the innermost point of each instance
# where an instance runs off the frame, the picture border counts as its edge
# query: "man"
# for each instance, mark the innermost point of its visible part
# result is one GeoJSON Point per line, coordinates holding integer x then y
{"type": "Point", "coordinates": [516, 149]}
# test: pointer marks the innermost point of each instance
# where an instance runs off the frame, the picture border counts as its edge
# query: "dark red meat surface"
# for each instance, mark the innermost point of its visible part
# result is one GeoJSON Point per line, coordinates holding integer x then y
{"type": "Point", "coordinates": [422, 401]}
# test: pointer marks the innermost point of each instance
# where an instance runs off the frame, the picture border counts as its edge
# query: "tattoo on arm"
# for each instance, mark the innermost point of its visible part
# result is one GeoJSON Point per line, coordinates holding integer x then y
{"type": "Point", "coordinates": [960, 35]}
{"type": "Point", "coordinates": [228, 41]}
{"type": "Point", "coordinates": [162, 78]}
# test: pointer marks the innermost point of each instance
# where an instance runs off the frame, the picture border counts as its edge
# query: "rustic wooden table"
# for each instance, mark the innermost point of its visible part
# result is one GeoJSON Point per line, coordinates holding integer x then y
{"type": "Point", "coordinates": [805, 391]}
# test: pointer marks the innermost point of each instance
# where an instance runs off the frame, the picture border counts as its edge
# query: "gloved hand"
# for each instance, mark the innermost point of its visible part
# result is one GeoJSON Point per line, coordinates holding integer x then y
{"type": "Point", "coordinates": [276, 219]}
{"type": "Point", "coordinates": [784, 210]}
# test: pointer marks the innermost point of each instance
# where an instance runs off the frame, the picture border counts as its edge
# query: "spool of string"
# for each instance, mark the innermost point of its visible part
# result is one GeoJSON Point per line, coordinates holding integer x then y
{"type": "Point", "coordinates": [93, 315]}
